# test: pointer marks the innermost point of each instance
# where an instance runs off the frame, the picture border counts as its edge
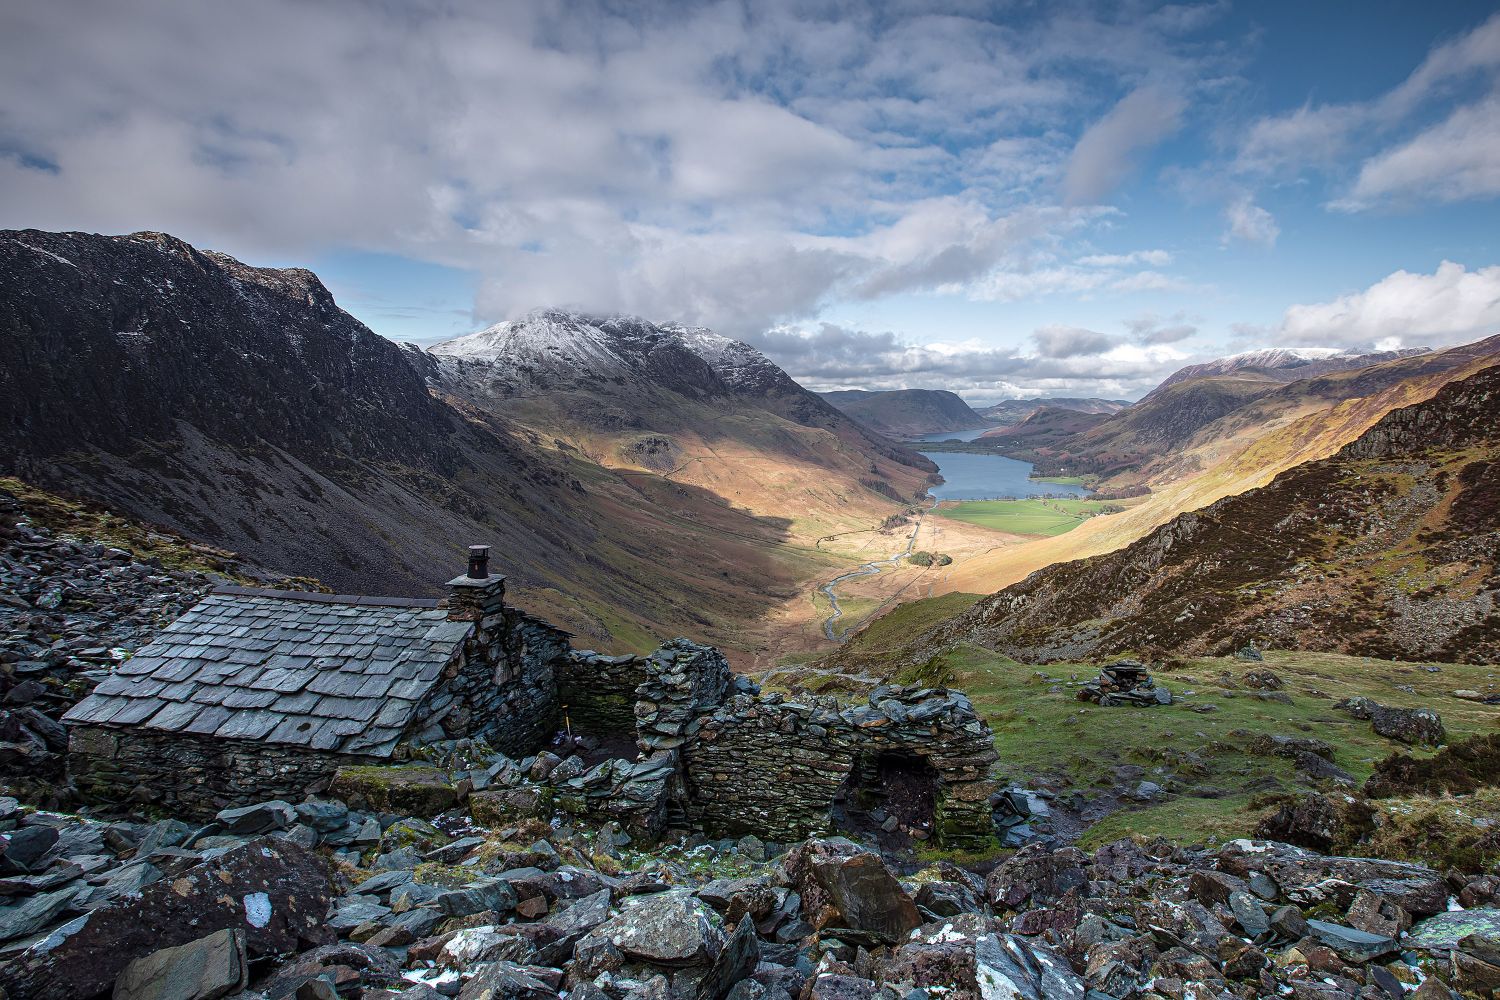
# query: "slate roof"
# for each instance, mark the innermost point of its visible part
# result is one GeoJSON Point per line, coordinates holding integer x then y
{"type": "Point", "coordinates": [328, 672]}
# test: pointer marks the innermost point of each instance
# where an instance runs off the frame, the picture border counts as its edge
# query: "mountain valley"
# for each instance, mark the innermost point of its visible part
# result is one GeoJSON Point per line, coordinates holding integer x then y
{"type": "Point", "coordinates": [647, 491]}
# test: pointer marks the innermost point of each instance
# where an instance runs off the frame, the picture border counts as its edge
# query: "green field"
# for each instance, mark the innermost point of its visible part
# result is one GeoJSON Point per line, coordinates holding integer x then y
{"type": "Point", "coordinates": [1025, 517]}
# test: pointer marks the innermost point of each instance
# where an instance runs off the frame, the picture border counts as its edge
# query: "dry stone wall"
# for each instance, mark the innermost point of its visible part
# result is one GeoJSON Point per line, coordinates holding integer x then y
{"type": "Point", "coordinates": [194, 777]}
{"type": "Point", "coordinates": [684, 682]}
{"type": "Point", "coordinates": [502, 684]}
{"type": "Point", "coordinates": [597, 692]}
{"type": "Point", "coordinates": [773, 766]}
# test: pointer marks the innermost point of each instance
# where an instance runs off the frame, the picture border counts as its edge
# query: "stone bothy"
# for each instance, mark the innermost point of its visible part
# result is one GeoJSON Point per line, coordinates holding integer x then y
{"type": "Point", "coordinates": [261, 694]}
{"type": "Point", "coordinates": [257, 694]}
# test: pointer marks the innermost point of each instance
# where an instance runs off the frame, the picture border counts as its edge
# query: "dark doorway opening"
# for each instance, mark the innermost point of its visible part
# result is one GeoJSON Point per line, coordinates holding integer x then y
{"type": "Point", "coordinates": [891, 796]}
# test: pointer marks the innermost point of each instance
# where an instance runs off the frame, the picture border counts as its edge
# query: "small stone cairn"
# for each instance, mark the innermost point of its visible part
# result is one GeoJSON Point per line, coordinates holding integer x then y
{"type": "Point", "coordinates": [1124, 683]}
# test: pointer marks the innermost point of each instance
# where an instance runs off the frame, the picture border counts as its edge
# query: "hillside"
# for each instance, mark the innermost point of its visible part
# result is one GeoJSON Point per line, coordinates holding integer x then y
{"type": "Point", "coordinates": [241, 407]}
{"type": "Point", "coordinates": [907, 413]}
{"type": "Point", "coordinates": [1275, 428]}
{"type": "Point", "coordinates": [1284, 364]}
{"type": "Point", "coordinates": [1012, 411]}
{"type": "Point", "coordinates": [1388, 549]}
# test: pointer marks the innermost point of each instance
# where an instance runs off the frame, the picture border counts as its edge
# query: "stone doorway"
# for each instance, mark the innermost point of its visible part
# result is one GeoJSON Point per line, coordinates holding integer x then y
{"type": "Point", "coordinates": [892, 795]}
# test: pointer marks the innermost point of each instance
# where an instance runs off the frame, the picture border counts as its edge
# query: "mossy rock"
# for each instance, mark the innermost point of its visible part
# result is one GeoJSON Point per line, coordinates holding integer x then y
{"type": "Point", "coordinates": [410, 791]}
{"type": "Point", "coordinates": [507, 805]}
{"type": "Point", "coordinates": [417, 834]}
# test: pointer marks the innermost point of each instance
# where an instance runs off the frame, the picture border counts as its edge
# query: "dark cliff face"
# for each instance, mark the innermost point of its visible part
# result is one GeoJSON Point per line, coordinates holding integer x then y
{"type": "Point", "coordinates": [108, 340]}
{"type": "Point", "coordinates": [1389, 549]}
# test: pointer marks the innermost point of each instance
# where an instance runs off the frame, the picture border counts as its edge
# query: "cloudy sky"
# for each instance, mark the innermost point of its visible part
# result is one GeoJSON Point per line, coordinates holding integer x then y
{"type": "Point", "coordinates": [1000, 198]}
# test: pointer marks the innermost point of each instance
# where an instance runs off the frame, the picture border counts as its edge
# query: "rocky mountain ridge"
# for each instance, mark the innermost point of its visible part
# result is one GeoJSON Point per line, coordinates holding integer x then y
{"type": "Point", "coordinates": [1288, 364]}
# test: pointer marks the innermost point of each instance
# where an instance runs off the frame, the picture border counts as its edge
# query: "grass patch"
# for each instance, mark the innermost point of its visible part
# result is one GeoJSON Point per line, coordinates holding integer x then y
{"type": "Point", "coordinates": [1035, 516]}
{"type": "Point", "coordinates": [1201, 758]}
{"type": "Point", "coordinates": [896, 627]}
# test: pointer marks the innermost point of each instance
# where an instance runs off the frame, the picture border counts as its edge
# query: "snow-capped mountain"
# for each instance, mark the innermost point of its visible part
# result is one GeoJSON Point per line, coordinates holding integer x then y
{"type": "Point", "coordinates": [552, 349]}
{"type": "Point", "coordinates": [1288, 364]}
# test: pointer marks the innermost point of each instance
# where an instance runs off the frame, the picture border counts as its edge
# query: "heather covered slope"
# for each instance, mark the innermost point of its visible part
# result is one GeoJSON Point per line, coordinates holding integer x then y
{"type": "Point", "coordinates": [242, 407]}
{"type": "Point", "coordinates": [1388, 548]}
{"type": "Point", "coordinates": [1159, 453]}
{"type": "Point", "coordinates": [907, 413]}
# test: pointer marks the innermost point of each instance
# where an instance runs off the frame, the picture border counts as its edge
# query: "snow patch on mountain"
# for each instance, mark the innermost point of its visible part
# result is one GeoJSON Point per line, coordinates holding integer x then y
{"type": "Point", "coordinates": [550, 347]}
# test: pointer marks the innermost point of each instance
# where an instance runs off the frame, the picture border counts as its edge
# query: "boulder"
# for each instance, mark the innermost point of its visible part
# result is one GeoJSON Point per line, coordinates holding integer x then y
{"type": "Point", "coordinates": [1351, 944]}
{"type": "Point", "coordinates": [1444, 931]}
{"type": "Point", "coordinates": [21, 851]}
{"type": "Point", "coordinates": [738, 958]}
{"type": "Point", "coordinates": [668, 928]}
{"type": "Point", "coordinates": [263, 817]}
{"type": "Point", "coordinates": [1308, 879]}
{"type": "Point", "coordinates": [205, 969]}
{"type": "Point", "coordinates": [968, 959]}
{"type": "Point", "coordinates": [274, 892]}
{"type": "Point", "coordinates": [497, 807]}
{"type": "Point", "coordinates": [509, 981]}
{"type": "Point", "coordinates": [1036, 876]}
{"type": "Point", "coordinates": [1412, 726]}
{"type": "Point", "coordinates": [1318, 821]}
{"type": "Point", "coordinates": [866, 897]}
{"type": "Point", "coordinates": [408, 791]}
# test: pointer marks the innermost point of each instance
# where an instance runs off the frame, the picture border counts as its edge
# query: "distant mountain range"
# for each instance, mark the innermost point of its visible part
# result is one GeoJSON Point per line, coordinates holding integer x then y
{"type": "Point", "coordinates": [1389, 548]}
{"type": "Point", "coordinates": [910, 413]}
{"type": "Point", "coordinates": [907, 413]}
{"type": "Point", "coordinates": [1199, 440]}
{"type": "Point", "coordinates": [1012, 411]}
{"type": "Point", "coordinates": [623, 471]}
{"type": "Point", "coordinates": [1288, 364]}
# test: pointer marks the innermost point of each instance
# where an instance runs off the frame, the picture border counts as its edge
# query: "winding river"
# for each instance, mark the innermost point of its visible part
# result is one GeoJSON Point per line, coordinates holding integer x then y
{"type": "Point", "coordinates": [965, 477]}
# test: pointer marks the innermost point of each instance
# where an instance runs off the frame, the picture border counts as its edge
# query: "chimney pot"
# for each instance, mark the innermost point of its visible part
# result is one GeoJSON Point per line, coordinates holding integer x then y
{"type": "Point", "coordinates": [479, 562]}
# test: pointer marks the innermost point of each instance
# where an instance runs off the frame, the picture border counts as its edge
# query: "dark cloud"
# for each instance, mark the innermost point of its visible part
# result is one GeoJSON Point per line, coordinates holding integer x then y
{"type": "Point", "coordinates": [1155, 330]}
{"type": "Point", "coordinates": [1071, 342]}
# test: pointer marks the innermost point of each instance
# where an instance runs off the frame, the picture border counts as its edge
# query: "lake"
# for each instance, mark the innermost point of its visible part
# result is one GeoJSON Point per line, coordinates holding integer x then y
{"type": "Point", "coordinates": [991, 477]}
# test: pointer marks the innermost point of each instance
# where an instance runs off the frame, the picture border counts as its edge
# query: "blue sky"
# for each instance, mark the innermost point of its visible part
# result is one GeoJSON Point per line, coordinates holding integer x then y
{"type": "Point", "coordinates": [1004, 199]}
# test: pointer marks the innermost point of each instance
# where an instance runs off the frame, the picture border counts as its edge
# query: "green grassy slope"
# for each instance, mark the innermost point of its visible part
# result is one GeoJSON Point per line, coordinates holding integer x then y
{"type": "Point", "coordinates": [1198, 747]}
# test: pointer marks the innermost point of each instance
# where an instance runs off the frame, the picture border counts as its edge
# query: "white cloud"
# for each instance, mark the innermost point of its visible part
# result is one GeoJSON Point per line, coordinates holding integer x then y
{"type": "Point", "coordinates": [1454, 160]}
{"type": "Point", "coordinates": [1450, 306]}
{"type": "Point", "coordinates": [1458, 158]}
{"type": "Point", "coordinates": [1155, 258]}
{"type": "Point", "coordinates": [1071, 342]}
{"type": "Point", "coordinates": [1249, 222]}
{"type": "Point", "coordinates": [734, 164]}
{"type": "Point", "coordinates": [1105, 154]}
{"type": "Point", "coordinates": [1069, 362]}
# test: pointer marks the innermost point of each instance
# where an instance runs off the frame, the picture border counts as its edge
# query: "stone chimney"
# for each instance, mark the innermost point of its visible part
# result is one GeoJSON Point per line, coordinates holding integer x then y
{"type": "Point", "coordinates": [478, 594]}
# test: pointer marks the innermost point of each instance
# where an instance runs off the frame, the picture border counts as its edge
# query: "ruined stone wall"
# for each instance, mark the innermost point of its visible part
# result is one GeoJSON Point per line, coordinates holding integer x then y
{"type": "Point", "coordinates": [684, 682]}
{"type": "Point", "coordinates": [190, 776]}
{"type": "Point", "coordinates": [599, 691]}
{"type": "Point", "coordinates": [773, 766]}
